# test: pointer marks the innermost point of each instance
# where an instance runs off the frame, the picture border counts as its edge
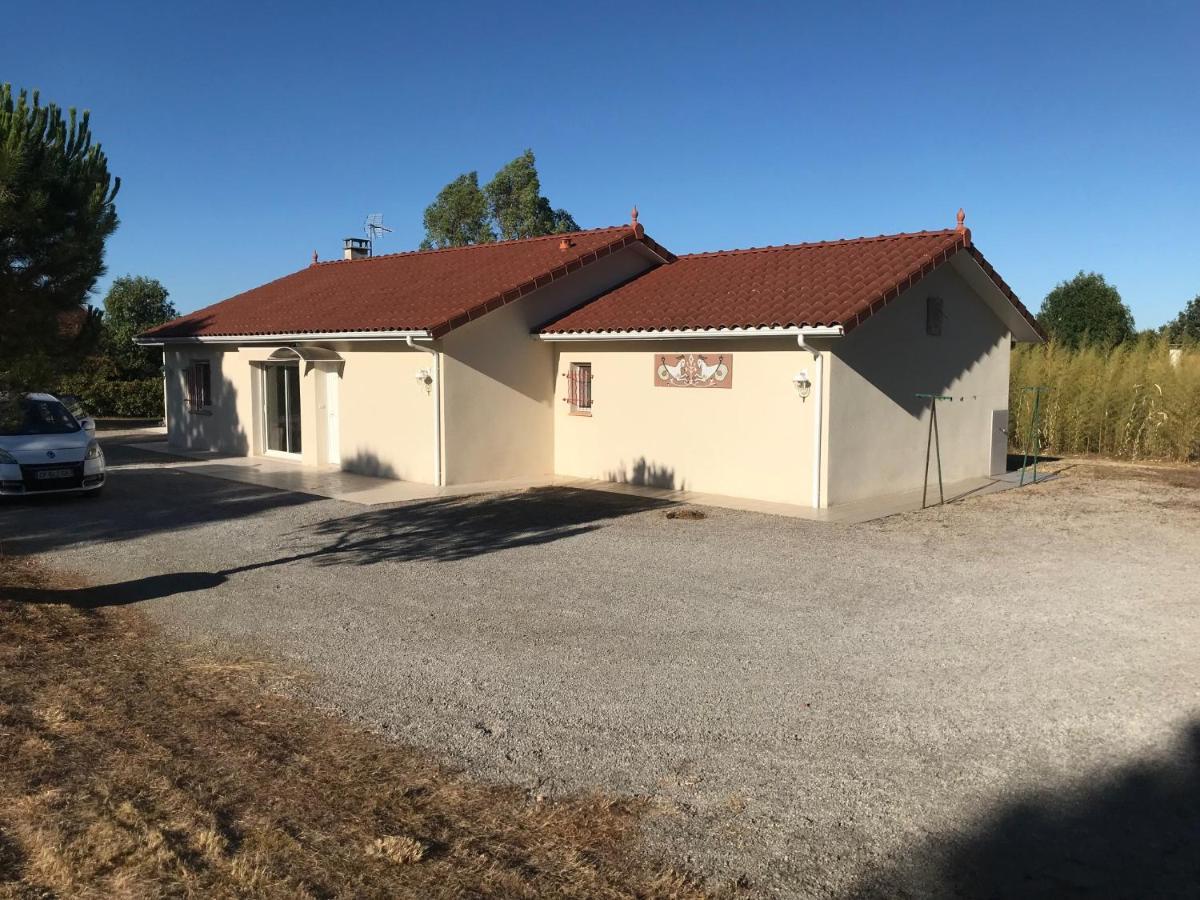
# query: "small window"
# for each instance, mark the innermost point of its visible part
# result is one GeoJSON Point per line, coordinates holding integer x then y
{"type": "Point", "coordinates": [199, 385]}
{"type": "Point", "coordinates": [933, 316]}
{"type": "Point", "coordinates": [579, 389]}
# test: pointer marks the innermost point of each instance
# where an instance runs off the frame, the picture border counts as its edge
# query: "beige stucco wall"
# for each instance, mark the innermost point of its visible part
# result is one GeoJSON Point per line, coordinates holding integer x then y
{"type": "Point", "coordinates": [753, 440]}
{"type": "Point", "coordinates": [386, 413]}
{"type": "Point", "coordinates": [499, 380]}
{"type": "Point", "coordinates": [226, 425]}
{"type": "Point", "coordinates": [877, 429]}
{"type": "Point", "coordinates": [384, 420]}
{"type": "Point", "coordinates": [503, 413]}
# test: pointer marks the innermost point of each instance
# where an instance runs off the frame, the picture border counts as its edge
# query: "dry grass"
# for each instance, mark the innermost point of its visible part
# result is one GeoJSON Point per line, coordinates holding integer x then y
{"type": "Point", "coordinates": [129, 770]}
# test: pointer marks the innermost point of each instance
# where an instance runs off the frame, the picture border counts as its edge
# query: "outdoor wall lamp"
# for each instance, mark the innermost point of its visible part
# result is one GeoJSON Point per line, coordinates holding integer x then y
{"type": "Point", "coordinates": [803, 385]}
{"type": "Point", "coordinates": [426, 378]}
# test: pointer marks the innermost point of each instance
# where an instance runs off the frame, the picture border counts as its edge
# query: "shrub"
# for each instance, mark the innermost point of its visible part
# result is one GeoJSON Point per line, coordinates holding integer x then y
{"type": "Point", "coordinates": [105, 392]}
{"type": "Point", "coordinates": [1129, 402]}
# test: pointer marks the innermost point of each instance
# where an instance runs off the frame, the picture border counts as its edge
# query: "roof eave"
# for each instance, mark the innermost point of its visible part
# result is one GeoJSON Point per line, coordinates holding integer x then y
{"type": "Point", "coordinates": [149, 340]}
{"type": "Point", "coordinates": [814, 331]}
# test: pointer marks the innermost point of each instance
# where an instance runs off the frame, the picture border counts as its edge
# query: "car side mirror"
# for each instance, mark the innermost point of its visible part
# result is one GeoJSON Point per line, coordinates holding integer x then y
{"type": "Point", "coordinates": [88, 424]}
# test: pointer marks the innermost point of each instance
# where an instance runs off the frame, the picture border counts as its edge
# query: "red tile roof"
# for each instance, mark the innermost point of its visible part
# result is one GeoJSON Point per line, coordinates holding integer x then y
{"type": "Point", "coordinates": [797, 285]}
{"type": "Point", "coordinates": [433, 290]}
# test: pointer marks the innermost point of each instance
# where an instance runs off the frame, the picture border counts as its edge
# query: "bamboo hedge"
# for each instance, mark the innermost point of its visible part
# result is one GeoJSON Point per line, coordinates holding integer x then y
{"type": "Point", "coordinates": [1136, 401]}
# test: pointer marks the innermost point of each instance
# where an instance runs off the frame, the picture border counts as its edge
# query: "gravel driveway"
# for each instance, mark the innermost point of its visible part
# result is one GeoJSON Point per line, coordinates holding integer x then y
{"type": "Point", "coordinates": [997, 698]}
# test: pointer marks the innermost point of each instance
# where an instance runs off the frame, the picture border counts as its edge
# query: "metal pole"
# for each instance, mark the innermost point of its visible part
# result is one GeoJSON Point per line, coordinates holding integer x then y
{"type": "Point", "coordinates": [1025, 456]}
{"type": "Point", "coordinates": [1037, 438]}
{"type": "Point", "coordinates": [937, 443]}
{"type": "Point", "coordinates": [928, 445]}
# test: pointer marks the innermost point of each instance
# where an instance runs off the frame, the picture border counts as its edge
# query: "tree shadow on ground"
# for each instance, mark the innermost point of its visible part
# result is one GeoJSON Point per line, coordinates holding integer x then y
{"type": "Point", "coordinates": [122, 593]}
{"type": "Point", "coordinates": [144, 496]}
{"type": "Point", "coordinates": [440, 530]}
{"type": "Point", "coordinates": [1131, 834]}
{"type": "Point", "coordinates": [1013, 461]}
{"type": "Point", "coordinates": [447, 529]}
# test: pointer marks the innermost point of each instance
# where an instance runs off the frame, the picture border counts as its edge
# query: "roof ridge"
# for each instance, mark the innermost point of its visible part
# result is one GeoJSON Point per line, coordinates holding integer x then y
{"type": "Point", "coordinates": [946, 232]}
{"type": "Point", "coordinates": [432, 250]}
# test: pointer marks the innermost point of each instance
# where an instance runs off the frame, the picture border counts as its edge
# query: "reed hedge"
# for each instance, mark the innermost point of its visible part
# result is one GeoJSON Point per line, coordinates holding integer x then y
{"type": "Point", "coordinates": [1131, 402]}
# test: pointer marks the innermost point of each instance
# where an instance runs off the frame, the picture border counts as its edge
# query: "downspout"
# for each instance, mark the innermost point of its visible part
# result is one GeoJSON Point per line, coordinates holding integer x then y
{"type": "Point", "coordinates": [166, 394]}
{"type": "Point", "coordinates": [437, 408]}
{"type": "Point", "coordinates": [818, 390]}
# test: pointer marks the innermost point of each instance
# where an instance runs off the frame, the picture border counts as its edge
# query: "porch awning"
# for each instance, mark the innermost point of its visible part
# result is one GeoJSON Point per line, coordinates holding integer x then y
{"type": "Point", "coordinates": [308, 354]}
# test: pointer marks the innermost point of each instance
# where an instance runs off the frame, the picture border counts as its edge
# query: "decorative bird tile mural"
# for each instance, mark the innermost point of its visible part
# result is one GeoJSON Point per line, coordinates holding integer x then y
{"type": "Point", "coordinates": [695, 370]}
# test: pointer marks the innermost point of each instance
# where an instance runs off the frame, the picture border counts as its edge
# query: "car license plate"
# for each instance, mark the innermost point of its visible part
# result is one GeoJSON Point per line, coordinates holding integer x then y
{"type": "Point", "coordinates": [55, 473]}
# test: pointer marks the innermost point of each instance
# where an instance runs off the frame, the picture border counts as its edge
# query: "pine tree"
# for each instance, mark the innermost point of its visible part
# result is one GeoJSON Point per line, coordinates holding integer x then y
{"type": "Point", "coordinates": [56, 212]}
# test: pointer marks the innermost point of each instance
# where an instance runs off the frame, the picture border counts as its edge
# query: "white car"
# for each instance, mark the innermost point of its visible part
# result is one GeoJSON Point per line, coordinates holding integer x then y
{"type": "Point", "coordinates": [44, 449]}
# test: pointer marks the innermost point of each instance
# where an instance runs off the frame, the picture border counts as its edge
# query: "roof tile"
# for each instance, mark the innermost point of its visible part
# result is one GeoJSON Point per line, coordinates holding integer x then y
{"type": "Point", "coordinates": [433, 290]}
{"type": "Point", "coordinates": [798, 285]}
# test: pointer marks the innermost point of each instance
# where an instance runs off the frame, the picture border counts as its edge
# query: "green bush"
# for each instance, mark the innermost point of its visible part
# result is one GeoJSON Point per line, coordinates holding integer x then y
{"type": "Point", "coordinates": [1129, 402]}
{"type": "Point", "coordinates": [104, 393]}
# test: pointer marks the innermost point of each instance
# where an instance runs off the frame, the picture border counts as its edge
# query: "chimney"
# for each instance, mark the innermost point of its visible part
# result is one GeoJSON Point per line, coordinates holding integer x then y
{"type": "Point", "coordinates": [565, 243]}
{"type": "Point", "coordinates": [356, 248]}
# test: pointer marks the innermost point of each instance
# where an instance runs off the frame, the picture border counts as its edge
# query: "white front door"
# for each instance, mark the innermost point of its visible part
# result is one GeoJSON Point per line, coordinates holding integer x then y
{"type": "Point", "coordinates": [333, 432]}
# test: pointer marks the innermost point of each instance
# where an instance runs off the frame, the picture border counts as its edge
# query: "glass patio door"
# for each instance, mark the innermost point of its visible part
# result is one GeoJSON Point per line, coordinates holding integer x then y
{"type": "Point", "coordinates": [283, 408]}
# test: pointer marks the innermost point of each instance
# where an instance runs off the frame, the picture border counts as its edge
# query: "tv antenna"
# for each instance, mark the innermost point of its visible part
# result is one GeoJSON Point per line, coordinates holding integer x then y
{"type": "Point", "coordinates": [374, 227]}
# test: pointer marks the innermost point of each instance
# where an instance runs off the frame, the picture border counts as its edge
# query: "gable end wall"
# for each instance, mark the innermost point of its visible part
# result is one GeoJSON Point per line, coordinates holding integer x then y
{"type": "Point", "coordinates": [878, 429]}
{"type": "Point", "coordinates": [499, 380]}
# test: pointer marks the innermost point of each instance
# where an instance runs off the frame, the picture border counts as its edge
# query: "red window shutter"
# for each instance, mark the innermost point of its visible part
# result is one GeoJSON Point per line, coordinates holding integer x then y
{"type": "Point", "coordinates": [579, 386]}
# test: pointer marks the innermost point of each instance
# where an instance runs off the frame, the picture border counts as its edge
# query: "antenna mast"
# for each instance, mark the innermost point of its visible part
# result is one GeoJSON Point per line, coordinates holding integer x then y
{"type": "Point", "coordinates": [374, 227]}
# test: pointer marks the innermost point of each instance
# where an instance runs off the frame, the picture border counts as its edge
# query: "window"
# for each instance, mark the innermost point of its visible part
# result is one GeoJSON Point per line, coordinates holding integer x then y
{"type": "Point", "coordinates": [933, 316]}
{"type": "Point", "coordinates": [30, 416]}
{"type": "Point", "coordinates": [579, 389]}
{"type": "Point", "coordinates": [199, 385]}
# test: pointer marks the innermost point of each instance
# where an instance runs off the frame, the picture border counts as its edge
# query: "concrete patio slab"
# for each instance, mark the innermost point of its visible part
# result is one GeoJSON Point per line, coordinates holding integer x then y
{"type": "Point", "coordinates": [336, 484]}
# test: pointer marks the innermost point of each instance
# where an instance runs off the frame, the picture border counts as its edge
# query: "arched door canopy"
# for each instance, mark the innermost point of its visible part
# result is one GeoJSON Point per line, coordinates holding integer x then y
{"type": "Point", "coordinates": [308, 355]}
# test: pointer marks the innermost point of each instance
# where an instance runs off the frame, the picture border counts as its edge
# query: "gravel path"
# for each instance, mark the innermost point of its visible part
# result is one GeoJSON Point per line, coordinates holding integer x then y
{"type": "Point", "coordinates": [995, 698]}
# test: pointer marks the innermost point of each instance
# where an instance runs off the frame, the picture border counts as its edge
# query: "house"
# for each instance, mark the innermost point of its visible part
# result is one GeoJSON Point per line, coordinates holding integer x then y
{"type": "Point", "coordinates": [786, 374]}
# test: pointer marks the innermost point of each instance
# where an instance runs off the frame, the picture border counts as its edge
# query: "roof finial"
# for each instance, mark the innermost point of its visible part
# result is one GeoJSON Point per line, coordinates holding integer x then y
{"type": "Point", "coordinates": [314, 262]}
{"type": "Point", "coordinates": [634, 224]}
{"type": "Point", "coordinates": [962, 218]}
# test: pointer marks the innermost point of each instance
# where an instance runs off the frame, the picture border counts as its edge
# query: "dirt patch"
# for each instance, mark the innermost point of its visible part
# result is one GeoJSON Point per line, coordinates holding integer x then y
{"type": "Point", "coordinates": [128, 768]}
{"type": "Point", "coordinates": [687, 513]}
{"type": "Point", "coordinates": [1172, 475]}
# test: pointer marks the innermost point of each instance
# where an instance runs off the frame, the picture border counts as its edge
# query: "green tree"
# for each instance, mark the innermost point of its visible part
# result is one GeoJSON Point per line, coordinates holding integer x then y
{"type": "Point", "coordinates": [56, 212]}
{"type": "Point", "coordinates": [517, 206]}
{"type": "Point", "coordinates": [1086, 309]}
{"type": "Point", "coordinates": [1186, 325]}
{"type": "Point", "coordinates": [511, 206]}
{"type": "Point", "coordinates": [131, 306]}
{"type": "Point", "coordinates": [458, 216]}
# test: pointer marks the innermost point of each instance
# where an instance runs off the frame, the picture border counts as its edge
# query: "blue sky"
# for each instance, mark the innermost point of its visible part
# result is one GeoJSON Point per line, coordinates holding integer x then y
{"type": "Point", "coordinates": [249, 134]}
